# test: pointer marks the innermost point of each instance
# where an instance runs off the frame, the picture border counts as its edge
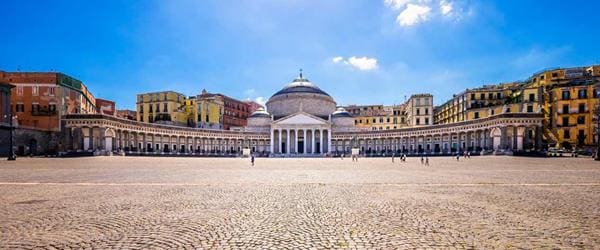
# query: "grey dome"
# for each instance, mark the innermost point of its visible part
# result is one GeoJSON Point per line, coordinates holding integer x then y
{"type": "Point", "coordinates": [341, 112]}
{"type": "Point", "coordinates": [300, 85]}
{"type": "Point", "coordinates": [260, 112]}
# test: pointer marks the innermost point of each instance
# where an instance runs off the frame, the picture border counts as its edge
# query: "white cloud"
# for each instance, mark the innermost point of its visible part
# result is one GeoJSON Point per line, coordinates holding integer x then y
{"type": "Point", "coordinates": [396, 4]}
{"type": "Point", "coordinates": [445, 7]}
{"type": "Point", "coordinates": [413, 14]}
{"type": "Point", "coordinates": [261, 100]}
{"type": "Point", "coordinates": [361, 63]}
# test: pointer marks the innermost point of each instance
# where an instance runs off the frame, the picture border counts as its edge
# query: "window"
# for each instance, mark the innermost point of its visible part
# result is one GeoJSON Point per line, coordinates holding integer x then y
{"type": "Point", "coordinates": [565, 109]}
{"type": "Point", "coordinates": [141, 108]}
{"type": "Point", "coordinates": [566, 95]}
{"type": "Point", "coordinates": [529, 108]}
{"type": "Point", "coordinates": [395, 120]}
{"type": "Point", "coordinates": [418, 111]}
{"type": "Point", "coordinates": [388, 120]}
{"type": "Point", "coordinates": [554, 75]}
{"type": "Point", "coordinates": [581, 120]}
{"type": "Point", "coordinates": [20, 90]}
{"type": "Point", "coordinates": [35, 90]}
{"type": "Point", "coordinates": [566, 133]}
{"type": "Point", "coordinates": [380, 120]}
{"type": "Point", "coordinates": [542, 77]}
{"type": "Point", "coordinates": [582, 108]}
{"type": "Point", "coordinates": [472, 96]}
{"type": "Point", "coordinates": [426, 120]}
{"type": "Point", "coordinates": [426, 111]}
{"type": "Point", "coordinates": [508, 110]}
{"type": "Point", "coordinates": [165, 109]}
{"type": "Point", "coordinates": [52, 107]}
{"type": "Point", "coordinates": [35, 107]}
{"type": "Point", "coordinates": [51, 91]}
{"type": "Point", "coordinates": [582, 94]}
{"type": "Point", "coordinates": [493, 111]}
{"type": "Point", "coordinates": [418, 121]}
{"type": "Point", "coordinates": [150, 108]}
{"type": "Point", "coordinates": [19, 107]}
{"type": "Point", "coordinates": [565, 121]}
{"type": "Point", "coordinates": [491, 96]}
{"type": "Point", "coordinates": [374, 120]}
{"type": "Point", "coordinates": [498, 95]}
{"type": "Point", "coordinates": [482, 96]}
{"type": "Point", "coordinates": [476, 115]}
{"type": "Point", "coordinates": [532, 97]}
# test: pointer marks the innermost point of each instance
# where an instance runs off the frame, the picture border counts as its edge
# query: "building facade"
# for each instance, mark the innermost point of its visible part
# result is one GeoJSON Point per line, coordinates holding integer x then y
{"type": "Point", "coordinates": [39, 101]}
{"type": "Point", "coordinates": [105, 107]}
{"type": "Point", "coordinates": [163, 107]}
{"type": "Point", "coordinates": [302, 119]}
{"type": "Point", "coordinates": [5, 117]}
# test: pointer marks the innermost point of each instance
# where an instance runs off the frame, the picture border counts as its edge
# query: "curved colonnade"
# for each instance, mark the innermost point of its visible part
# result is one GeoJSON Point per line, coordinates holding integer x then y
{"type": "Point", "coordinates": [95, 132]}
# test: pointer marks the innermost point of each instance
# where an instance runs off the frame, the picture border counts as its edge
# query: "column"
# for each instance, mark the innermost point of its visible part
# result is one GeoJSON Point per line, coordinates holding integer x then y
{"type": "Point", "coordinates": [272, 140]}
{"type": "Point", "coordinates": [520, 132]}
{"type": "Point", "coordinates": [329, 140]}
{"type": "Point", "coordinates": [296, 141]}
{"type": "Point", "coordinates": [312, 148]}
{"type": "Point", "coordinates": [321, 141]}
{"type": "Point", "coordinates": [305, 142]}
{"type": "Point", "coordinates": [279, 142]}
{"type": "Point", "coordinates": [287, 144]}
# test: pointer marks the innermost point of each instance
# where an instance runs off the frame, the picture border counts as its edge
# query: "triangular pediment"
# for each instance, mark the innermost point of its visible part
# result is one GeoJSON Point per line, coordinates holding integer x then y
{"type": "Point", "coordinates": [301, 118]}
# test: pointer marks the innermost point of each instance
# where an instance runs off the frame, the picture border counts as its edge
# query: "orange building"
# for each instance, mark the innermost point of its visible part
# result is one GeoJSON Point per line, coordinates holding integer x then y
{"type": "Point", "coordinates": [39, 99]}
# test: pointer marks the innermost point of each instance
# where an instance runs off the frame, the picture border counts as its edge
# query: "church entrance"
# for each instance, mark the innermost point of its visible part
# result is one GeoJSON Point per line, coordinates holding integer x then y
{"type": "Point", "coordinates": [301, 147]}
{"type": "Point", "coordinates": [318, 148]}
{"type": "Point", "coordinates": [283, 148]}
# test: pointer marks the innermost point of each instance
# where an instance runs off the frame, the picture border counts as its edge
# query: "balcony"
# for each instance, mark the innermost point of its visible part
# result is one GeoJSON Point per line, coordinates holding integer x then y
{"type": "Point", "coordinates": [43, 112]}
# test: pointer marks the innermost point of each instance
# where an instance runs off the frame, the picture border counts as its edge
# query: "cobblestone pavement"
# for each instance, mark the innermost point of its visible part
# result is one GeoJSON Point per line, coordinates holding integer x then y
{"type": "Point", "coordinates": [117, 202]}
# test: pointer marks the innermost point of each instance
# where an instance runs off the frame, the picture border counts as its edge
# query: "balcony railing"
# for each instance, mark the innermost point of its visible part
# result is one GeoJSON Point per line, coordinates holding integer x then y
{"type": "Point", "coordinates": [43, 112]}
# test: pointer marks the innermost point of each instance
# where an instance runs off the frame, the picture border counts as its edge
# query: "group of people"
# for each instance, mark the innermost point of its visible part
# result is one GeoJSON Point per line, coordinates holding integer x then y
{"type": "Point", "coordinates": [424, 159]}
{"type": "Point", "coordinates": [466, 155]}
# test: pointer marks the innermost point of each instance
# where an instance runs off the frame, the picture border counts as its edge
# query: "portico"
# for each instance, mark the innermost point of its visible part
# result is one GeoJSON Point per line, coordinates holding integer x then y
{"type": "Point", "coordinates": [300, 134]}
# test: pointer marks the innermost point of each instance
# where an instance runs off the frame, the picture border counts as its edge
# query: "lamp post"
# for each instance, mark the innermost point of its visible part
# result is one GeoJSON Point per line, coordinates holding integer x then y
{"type": "Point", "coordinates": [11, 154]}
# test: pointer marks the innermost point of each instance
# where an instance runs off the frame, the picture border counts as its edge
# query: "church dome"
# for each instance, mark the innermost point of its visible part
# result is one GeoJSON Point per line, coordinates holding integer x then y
{"type": "Point", "coordinates": [341, 112]}
{"type": "Point", "coordinates": [260, 112]}
{"type": "Point", "coordinates": [301, 95]}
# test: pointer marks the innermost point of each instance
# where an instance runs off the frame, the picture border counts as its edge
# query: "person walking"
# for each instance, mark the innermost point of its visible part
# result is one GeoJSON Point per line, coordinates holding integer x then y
{"type": "Point", "coordinates": [252, 159]}
{"type": "Point", "coordinates": [422, 160]}
{"type": "Point", "coordinates": [394, 154]}
{"type": "Point", "coordinates": [426, 160]}
{"type": "Point", "coordinates": [457, 156]}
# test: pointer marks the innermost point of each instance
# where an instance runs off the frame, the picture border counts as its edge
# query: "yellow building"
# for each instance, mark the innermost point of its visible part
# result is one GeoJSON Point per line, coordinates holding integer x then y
{"type": "Point", "coordinates": [209, 110]}
{"type": "Point", "coordinates": [161, 107]}
{"type": "Point", "coordinates": [378, 117]}
{"type": "Point", "coordinates": [416, 111]}
{"type": "Point", "coordinates": [564, 96]}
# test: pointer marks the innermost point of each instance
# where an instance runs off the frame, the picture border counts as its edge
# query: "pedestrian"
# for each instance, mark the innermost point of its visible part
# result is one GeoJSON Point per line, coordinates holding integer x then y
{"type": "Point", "coordinates": [469, 154]}
{"type": "Point", "coordinates": [252, 159]}
{"type": "Point", "coordinates": [404, 158]}
{"type": "Point", "coordinates": [342, 156]}
{"type": "Point", "coordinates": [426, 161]}
{"type": "Point", "coordinates": [422, 160]}
{"type": "Point", "coordinates": [457, 156]}
{"type": "Point", "coordinates": [394, 154]}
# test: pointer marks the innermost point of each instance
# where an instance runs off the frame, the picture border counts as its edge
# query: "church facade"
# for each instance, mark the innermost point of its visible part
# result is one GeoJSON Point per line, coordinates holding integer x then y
{"type": "Point", "coordinates": [301, 120]}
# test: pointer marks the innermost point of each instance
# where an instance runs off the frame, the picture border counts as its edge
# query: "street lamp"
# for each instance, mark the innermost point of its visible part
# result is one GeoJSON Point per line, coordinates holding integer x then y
{"type": "Point", "coordinates": [11, 154]}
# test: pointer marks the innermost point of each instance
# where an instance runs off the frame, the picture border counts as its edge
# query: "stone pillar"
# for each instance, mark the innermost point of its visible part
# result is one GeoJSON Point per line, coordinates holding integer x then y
{"type": "Point", "coordinates": [272, 140]}
{"type": "Point", "coordinates": [520, 132]}
{"type": "Point", "coordinates": [296, 137]}
{"type": "Point", "coordinates": [287, 144]}
{"type": "Point", "coordinates": [329, 140]}
{"type": "Point", "coordinates": [279, 142]}
{"type": "Point", "coordinates": [312, 148]}
{"type": "Point", "coordinates": [321, 141]}
{"type": "Point", "coordinates": [305, 142]}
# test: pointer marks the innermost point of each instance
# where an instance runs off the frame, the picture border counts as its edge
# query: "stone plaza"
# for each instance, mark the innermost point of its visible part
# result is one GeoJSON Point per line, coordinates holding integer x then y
{"type": "Point", "coordinates": [319, 203]}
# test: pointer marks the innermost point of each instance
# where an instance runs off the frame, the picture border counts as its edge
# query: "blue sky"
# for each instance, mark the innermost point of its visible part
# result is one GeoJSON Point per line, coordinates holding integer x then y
{"type": "Point", "coordinates": [360, 51]}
